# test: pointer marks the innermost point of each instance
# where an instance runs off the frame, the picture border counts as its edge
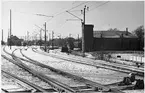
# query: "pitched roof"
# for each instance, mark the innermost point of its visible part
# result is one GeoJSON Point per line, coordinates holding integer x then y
{"type": "Point", "coordinates": [113, 34]}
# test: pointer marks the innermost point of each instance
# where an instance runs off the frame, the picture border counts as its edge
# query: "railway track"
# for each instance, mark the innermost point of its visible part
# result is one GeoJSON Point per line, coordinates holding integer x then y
{"type": "Point", "coordinates": [106, 65]}
{"type": "Point", "coordinates": [23, 78]}
{"type": "Point", "coordinates": [93, 86]}
{"type": "Point", "coordinates": [34, 87]}
{"type": "Point", "coordinates": [82, 80]}
{"type": "Point", "coordinates": [134, 63]}
{"type": "Point", "coordinates": [50, 81]}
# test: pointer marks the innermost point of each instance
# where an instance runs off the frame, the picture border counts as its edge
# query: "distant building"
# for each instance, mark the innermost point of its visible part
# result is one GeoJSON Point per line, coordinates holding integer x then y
{"type": "Point", "coordinates": [109, 40]}
{"type": "Point", "coordinates": [14, 40]}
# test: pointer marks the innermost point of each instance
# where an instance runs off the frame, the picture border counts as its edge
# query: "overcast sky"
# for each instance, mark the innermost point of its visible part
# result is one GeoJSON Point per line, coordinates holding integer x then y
{"type": "Point", "coordinates": [110, 15]}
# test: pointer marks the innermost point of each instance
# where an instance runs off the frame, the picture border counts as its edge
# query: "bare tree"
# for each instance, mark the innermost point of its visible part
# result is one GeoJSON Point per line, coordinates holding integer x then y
{"type": "Point", "coordinates": [113, 29]}
{"type": "Point", "coordinates": [139, 32]}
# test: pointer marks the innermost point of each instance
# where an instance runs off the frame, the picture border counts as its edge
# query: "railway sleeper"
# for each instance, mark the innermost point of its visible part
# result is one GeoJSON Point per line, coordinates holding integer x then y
{"type": "Point", "coordinates": [50, 82]}
{"type": "Point", "coordinates": [98, 87]}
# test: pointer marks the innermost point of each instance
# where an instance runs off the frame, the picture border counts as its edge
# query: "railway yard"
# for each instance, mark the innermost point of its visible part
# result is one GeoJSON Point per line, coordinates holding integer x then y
{"type": "Point", "coordinates": [31, 70]}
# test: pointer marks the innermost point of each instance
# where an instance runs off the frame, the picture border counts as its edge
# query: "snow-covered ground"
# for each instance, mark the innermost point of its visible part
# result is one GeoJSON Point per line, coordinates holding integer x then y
{"type": "Point", "coordinates": [7, 82]}
{"type": "Point", "coordinates": [132, 57]}
{"type": "Point", "coordinates": [8, 66]}
{"type": "Point", "coordinates": [99, 75]}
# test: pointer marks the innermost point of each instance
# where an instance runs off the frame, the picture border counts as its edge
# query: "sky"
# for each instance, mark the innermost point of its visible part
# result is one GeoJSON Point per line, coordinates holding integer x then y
{"type": "Point", "coordinates": [102, 14]}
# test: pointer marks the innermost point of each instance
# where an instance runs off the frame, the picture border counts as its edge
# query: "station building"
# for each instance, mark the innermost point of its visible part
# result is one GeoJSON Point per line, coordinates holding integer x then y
{"type": "Point", "coordinates": [109, 40]}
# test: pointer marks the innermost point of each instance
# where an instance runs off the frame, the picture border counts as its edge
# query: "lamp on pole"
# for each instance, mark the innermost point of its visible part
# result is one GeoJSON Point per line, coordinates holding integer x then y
{"type": "Point", "coordinates": [83, 27]}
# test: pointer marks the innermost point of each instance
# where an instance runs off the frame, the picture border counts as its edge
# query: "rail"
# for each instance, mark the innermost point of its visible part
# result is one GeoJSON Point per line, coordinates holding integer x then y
{"type": "Point", "coordinates": [129, 69]}
{"type": "Point", "coordinates": [40, 89]}
{"type": "Point", "coordinates": [55, 84]}
{"type": "Point", "coordinates": [80, 79]}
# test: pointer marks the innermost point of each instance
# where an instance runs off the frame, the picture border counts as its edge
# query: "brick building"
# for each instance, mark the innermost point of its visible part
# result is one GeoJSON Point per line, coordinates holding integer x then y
{"type": "Point", "coordinates": [109, 40]}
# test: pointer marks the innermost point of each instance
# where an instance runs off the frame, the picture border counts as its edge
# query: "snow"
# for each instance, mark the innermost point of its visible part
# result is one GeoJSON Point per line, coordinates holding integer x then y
{"type": "Point", "coordinates": [98, 75]}
{"type": "Point", "coordinates": [89, 72]}
{"type": "Point", "coordinates": [10, 67]}
{"type": "Point", "coordinates": [132, 57]}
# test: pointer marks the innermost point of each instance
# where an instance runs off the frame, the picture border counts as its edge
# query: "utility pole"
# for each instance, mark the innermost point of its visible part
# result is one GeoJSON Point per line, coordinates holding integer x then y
{"type": "Point", "coordinates": [40, 37]}
{"type": "Point", "coordinates": [49, 39]}
{"type": "Point", "coordinates": [10, 28]}
{"type": "Point", "coordinates": [78, 36]}
{"type": "Point", "coordinates": [52, 38]}
{"type": "Point", "coordinates": [83, 27]}
{"type": "Point", "coordinates": [69, 35]}
{"type": "Point", "coordinates": [8, 38]}
{"type": "Point", "coordinates": [83, 30]}
{"type": "Point", "coordinates": [45, 36]}
{"type": "Point", "coordinates": [2, 36]}
{"type": "Point", "coordinates": [78, 40]}
{"type": "Point", "coordinates": [27, 37]}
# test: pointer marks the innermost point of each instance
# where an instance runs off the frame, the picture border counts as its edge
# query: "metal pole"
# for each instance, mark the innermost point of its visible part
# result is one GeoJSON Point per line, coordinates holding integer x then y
{"type": "Point", "coordinates": [40, 37]}
{"type": "Point", "coordinates": [49, 39]}
{"type": "Point", "coordinates": [8, 38]}
{"type": "Point", "coordinates": [45, 36]}
{"type": "Point", "coordinates": [52, 39]}
{"type": "Point", "coordinates": [27, 37]}
{"type": "Point", "coordinates": [2, 36]}
{"type": "Point", "coordinates": [69, 35]}
{"type": "Point", "coordinates": [78, 40]}
{"type": "Point", "coordinates": [10, 29]}
{"type": "Point", "coordinates": [83, 30]}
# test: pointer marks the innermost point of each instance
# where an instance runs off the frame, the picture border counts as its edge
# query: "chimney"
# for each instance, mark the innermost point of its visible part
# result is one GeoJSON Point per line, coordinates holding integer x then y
{"type": "Point", "coordinates": [126, 31]}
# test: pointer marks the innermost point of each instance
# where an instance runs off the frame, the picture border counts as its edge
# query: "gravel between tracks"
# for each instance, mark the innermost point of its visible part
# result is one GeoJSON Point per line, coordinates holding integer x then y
{"type": "Point", "coordinates": [99, 75]}
{"type": "Point", "coordinates": [12, 68]}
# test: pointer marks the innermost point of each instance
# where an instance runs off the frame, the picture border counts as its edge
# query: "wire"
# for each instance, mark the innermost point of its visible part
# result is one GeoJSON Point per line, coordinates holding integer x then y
{"type": "Point", "coordinates": [69, 9]}
{"type": "Point", "coordinates": [94, 3]}
{"type": "Point", "coordinates": [60, 26]}
{"type": "Point", "coordinates": [99, 6]}
{"type": "Point", "coordinates": [77, 5]}
{"type": "Point", "coordinates": [91, 3]}
{"type": "Point", "coordinates": [55, 15]}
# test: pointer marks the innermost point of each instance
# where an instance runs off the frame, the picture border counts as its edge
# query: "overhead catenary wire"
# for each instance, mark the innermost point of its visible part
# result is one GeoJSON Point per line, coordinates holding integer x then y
{"type": "Point", "coordinates": [99, 6]}
{"type": "Point", "coordinates": [90, 4]}
{"type": "Point", "coordinates": [57, 14]}
{"type": "Point", "coordinates": [93, 8]}
{"type": "Point", "coordinates": [77, 5]}
{"type": "Point", "coordinates": [69, 9]}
